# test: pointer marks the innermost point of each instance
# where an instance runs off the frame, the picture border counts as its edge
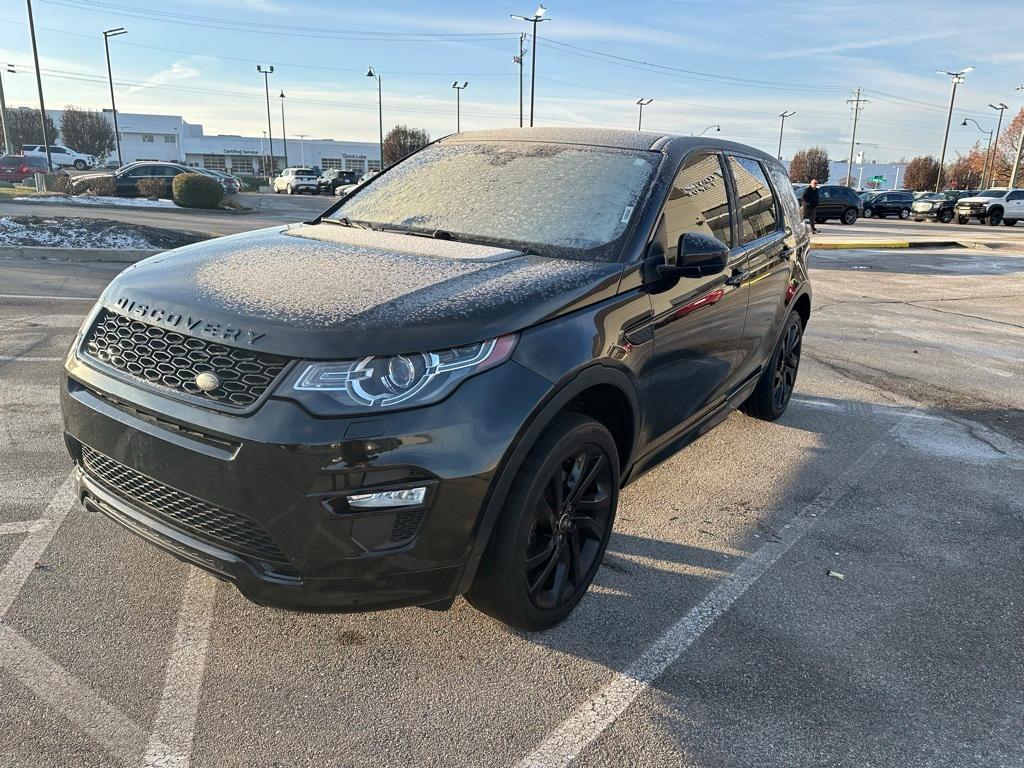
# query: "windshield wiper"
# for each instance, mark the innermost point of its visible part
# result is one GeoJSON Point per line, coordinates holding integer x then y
{"type": "Point", "coordinates": [345, 221]}
{"type": "Point", "coordinates": [437, 234]}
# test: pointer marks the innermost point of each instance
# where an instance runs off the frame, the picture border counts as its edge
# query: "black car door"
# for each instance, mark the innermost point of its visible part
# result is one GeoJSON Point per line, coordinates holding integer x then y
{"type": "Point", "coordinates": [698, 321]}
{"type": "Point", "coordinates": [762, 260]}
{"type": "Point", "coordinates": [827, 203]}
{"type": "Point", "coordinates": [127, 182]}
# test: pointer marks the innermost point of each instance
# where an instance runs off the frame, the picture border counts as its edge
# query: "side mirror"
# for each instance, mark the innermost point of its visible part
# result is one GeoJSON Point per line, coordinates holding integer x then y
{"type": "Point", "coordinates": [697, 255]}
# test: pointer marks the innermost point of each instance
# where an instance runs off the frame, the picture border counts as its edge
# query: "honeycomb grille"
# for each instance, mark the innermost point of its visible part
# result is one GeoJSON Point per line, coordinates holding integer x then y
{"type": "Point", "coordinates": [180, 510]}
{"type": "Point", "coordinates": [171, 360]}
{"type": "Point", "coordinates": [407, 525]}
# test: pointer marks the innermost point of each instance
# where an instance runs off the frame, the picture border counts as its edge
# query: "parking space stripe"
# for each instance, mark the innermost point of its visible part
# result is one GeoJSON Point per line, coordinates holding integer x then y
{"type": "Point", "coordinates": [46, 298]}
{"type": "Point", "coordinates": [100, 720]}
{"type": "Point", "coordinates": [22, 562]}
{"type": "Point", "coordinates": [601, 710]}
{"type": "Point", "coordinates": [170, 746]}
{"type": "Point", "coordinates": [26, 359]}
{"type": "Point", "coordinates": [23, 526]}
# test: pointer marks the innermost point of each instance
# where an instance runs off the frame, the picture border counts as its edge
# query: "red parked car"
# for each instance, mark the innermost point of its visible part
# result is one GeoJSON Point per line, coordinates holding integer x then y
{"type": "Point", "coordinates": [20, 167]}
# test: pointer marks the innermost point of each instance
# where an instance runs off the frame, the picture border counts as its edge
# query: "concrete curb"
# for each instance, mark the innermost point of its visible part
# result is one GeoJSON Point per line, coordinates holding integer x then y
{"type": "Point", "coordinates": [146, 209]}
{"type": "Point", "coordinates": [123, 255]}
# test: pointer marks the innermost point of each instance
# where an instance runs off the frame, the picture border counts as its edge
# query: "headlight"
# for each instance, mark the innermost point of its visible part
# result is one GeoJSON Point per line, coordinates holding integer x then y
{"type": "Point", "coordinates": [394, 381]}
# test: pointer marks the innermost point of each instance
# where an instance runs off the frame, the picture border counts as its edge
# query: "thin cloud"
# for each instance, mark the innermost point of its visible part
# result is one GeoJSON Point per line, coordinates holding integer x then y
{"type": "Point", "coordinates": [860, 45]}
{"type": "Point", "coordinates": [179, 70]}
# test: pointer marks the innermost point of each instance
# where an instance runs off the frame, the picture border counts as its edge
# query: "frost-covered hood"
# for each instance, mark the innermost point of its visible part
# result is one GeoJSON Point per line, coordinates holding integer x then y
{"type": "Point", "coordinates": [326, 291]}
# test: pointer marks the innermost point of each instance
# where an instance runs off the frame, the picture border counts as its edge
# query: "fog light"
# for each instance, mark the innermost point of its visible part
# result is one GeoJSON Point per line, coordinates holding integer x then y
{"type": "Point", "coordinates": [407, 497]}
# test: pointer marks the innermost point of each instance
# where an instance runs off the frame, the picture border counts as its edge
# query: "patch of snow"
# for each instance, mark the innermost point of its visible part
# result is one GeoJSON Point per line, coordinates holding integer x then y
{"type": "Point", "coordinates": [54, 234]}
{"type": "Point", "coordinates": [87, 200]}
{"type": "Point", "coordinates": [401, 243]}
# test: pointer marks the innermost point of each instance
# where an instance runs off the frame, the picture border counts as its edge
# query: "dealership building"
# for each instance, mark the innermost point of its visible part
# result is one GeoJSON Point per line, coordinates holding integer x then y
{"type": "Point", "coordinates": [171, 138]}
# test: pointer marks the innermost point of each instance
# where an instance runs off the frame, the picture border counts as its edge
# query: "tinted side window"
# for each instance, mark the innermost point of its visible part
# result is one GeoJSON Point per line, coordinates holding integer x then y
{"type": "Point", "coordinates": [758, 216]}
{"type": "Point", "coordinates": [1015, 196]}
{"type": "Point", "coordinates": [698, 201]}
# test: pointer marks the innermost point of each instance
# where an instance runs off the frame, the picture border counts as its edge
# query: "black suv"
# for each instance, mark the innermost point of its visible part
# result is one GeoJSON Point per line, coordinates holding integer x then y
{"type": "Point", "coordinates": [837, 202]}
{"type": "Point", "coordinates": [330, 180]}
{"type": "Point", "coordinates": [438, 386]}
{"type": "Point", "coordinates": [889, 204]}
{"type": "Point", "coordinates": [939, 206]}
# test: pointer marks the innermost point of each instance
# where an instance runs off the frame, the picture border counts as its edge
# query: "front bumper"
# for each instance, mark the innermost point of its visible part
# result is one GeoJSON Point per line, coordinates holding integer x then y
{"type": "Point", "coordinates": [929, 214]}
{"type": "Point", "coordinates": [974, 213]}
{"type": "Point", "coordinates": [203, 485]}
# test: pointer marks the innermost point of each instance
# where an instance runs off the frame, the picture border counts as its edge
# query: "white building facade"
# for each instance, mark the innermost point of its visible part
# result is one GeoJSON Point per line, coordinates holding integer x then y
{"type": "Point", "coordinates": [171, 138]}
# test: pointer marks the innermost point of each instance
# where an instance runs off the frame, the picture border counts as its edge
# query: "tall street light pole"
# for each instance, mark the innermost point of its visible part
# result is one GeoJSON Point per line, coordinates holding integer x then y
{"type": "Point", "coordinates": [270, 131]}
{"type": "Point", "coordinates": [537, 18]}
{"type": "Point", "coordinates": [107, 34]}
{"type": "Point", "coordinates": [302, 145]}
{"type": "Point", "coordinates": [856, 104]}
{"type": "Point", "coordinates": [957, 77]}
{"type": "Point", "coordinates": [39, 86]}
{"type": "Point", "coordinates": [782, 127]}
{"type": "Point", "coordinates": [1000, 108]}
{"type": "Point", "coordinates": [8, 145]}
{"type": "Point", "coordinates": [380, 113]}
{"type": "Point", "coordinates": [988, 152]}
{"type": "Point", "coordinates": [458, 103]}
{"type": "Point", "coordinates": [642, 103]}
{"type": "Point", "coordinates": [519, 60]}
{"type": "Point", "coordinates": [284, 135]}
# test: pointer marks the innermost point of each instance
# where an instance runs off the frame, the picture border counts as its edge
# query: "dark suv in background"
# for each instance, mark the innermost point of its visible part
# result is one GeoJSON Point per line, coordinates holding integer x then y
{"type": "Point", "coordinates": [837, 202]}
{"type": "Point", "coordinates": [331, 179]}
{"type": "Point", "coordinates": [432, 390]}
{"type": "Point", "coordinates": [889, 204]}
{"type": "Point", "coordinates": [939, 206]}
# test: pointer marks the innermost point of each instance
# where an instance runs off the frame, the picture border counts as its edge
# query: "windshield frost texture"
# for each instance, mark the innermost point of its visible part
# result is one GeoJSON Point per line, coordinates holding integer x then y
{"type": "Point", "coordinates": [558, 200]}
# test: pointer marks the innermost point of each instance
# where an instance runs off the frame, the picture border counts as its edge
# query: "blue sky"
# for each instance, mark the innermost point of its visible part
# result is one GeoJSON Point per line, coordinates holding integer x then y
{"type": "Point", "coordinates": [737, 64]}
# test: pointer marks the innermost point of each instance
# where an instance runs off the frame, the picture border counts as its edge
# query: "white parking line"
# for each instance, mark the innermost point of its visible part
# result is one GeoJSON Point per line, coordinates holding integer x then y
{"type": "Point", "coordinates": [101, 720]}
{"type": "Point", "coordinates": [601, 710]}
{"type": "Point", "coordinates": [47, 298]}
{"type": "Point", "coordinates": [21, 359]}
{"type": "Point", "coordinates": [23, 526]}
{"type": "Point", "coordinates": [22, 562]}
{"type": "Point", "coordinates": [170, 746]}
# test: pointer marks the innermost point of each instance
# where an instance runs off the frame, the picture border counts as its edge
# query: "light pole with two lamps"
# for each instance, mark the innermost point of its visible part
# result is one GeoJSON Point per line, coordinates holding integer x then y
{"type": "Point", "coordinates": [958, 77]}
{"type": "Point", "coordinates": [642, 103]}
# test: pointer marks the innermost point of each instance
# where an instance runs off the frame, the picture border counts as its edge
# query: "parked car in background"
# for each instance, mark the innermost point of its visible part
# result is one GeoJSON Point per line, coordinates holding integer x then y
{"type": "Point", "coordinates": [230, 184]}
{"type": "Point", "coordinates": [939, 206]}
{"type": "Point", "coordinates": [367, 176]}
{"type": "Point", "coordinates": [836, 201]}
{"type": "Point", "coordinates": [127, 177]}
{"type": "Point", "coordinates": [294, 180]}
{"type": "Point", "coordinates": [15, 168]}
{"type": "Point", "coordinates": [333, 178]}
{"type": "Point", "coordinates": [885, 204]}
{"type": "Point", "coordinates": [343, 418]}
{"type": "Point", "coordinates": [993, 206]}
{"type": "Point", "coordinates": [62, 157]}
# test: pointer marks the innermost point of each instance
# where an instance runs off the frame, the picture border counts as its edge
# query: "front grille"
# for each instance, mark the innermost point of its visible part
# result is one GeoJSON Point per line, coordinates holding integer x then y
{"type": "Point", "coordinates": [171, 360]}
{"type": "Point", "coordinates": [180, 510]}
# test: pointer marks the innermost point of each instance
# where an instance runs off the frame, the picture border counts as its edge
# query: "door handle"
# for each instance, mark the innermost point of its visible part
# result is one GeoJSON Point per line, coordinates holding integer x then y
{"type": "Point", "coordinates": [737, 277]}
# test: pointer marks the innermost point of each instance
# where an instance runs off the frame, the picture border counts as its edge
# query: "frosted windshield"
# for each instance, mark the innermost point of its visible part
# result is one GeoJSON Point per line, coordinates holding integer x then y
{"type": "Point", "coordinates": [562, 200]}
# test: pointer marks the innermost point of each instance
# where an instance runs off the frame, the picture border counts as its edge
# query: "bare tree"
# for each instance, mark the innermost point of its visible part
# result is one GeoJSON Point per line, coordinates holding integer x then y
{"type": "Point", "coordinates": [86, 131]}
{"type": "Point", "coordinates": [922, 173]}
{"type": "Point", "coordinates": [1005, 153]}
{"type": "Point", "coordinates": [23, 123]}
{"type": "Point", "coordinates": [807, 164]}
{"type": "Point", "coordinates": [401, 141]}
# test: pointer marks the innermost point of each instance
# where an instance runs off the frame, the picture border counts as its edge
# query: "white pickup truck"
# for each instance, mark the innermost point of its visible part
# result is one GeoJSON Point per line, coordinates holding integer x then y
{"type": "Point", "coordinates": [992, 207]}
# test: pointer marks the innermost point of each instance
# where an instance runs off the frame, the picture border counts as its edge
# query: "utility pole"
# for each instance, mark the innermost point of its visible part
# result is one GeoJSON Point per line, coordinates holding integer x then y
{"type": "Point", "coordinates": [302, 145]}
{"type": "Point", "coordinates": [1020, 153]}
{"type": "Point", "coordinates": [782, 127]}
{"type": "Point", "coordinates": [380, 114]}
{"type": "Point", "coordinates": [107, 34]}
{"type": "Point", "coordinates": [270, 131]}
{"type": "Point", "coordinates": [642, 103]}
{"type": "Point", "coordinates": [8, 146]}
{"type": "Point", "coordinates": [519, 60]}
{"type": "Point", "coordinates": [458, 103]}
{"type": "Point", "coordinates": [284, 135]}
{"type": "Point", "coordinates": [39, 85]}
{"type": "Point", "coordinates": [958, 77]}
{"type": "Point", "coordinates": [537, 18]}
{"type": "Point", "coordinates": [857, 104]}
{"type": "Point", "coordinates": [1000, 108]}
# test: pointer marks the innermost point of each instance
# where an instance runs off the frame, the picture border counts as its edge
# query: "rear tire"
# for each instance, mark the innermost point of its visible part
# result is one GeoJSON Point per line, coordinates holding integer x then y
{"type": "Point", "coordinates": [1009, 222]}
{"type": "Point", "coordinates": [771, 395]}
{"type": "Point", "coordinates": [554, 528]}
{"type": "Point", "coordinates": [904, 213]}
{"type": "Point", "coordinates": [849, 216]}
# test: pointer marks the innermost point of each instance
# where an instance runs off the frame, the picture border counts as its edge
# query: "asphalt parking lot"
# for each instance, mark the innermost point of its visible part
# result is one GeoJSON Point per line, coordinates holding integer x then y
{"type": "Point", "coordinates": [715, 634]}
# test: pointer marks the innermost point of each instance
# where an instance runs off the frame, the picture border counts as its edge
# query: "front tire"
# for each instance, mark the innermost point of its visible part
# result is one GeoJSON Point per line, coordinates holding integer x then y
{"type": "Point", "coordinates": [771, 395]}
{"type": "Point", "coordinates": [962, 219]}
{"type": "Point", "coordinates": [995, 218]}
{"type": "Point", "coordinates": [554, 528]}
{"type": "Point", "coordinates": [946, 216]}
{"type": "Point", "coordinates": [290, 189]}
{"type": "Point", "coordinates": [80, 165]}
{"type": "Point", "coordinates": [869, 212]}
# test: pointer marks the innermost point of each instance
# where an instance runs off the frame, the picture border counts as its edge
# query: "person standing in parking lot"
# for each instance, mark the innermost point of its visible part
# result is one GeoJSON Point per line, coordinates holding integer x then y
{"type": "Point", "coordinates": [809, 203]}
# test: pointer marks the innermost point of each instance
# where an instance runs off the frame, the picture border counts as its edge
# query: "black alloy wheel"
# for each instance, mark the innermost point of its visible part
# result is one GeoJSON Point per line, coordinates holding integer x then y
{"type": "Point", "coordinates": [554, 527]}
{"type": "Point", "coordinates": [995, 218]}
{"type": "Point", "coordinates": [946, 216]}
{"type": "Point", "coordinates": [850, 216]}
{"type": "Point", "coordinates": [869, 212]}
{"type": "Point", "coordinates": [774, 388]}
{"type": "Point", "coordinates": [569, 529]}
